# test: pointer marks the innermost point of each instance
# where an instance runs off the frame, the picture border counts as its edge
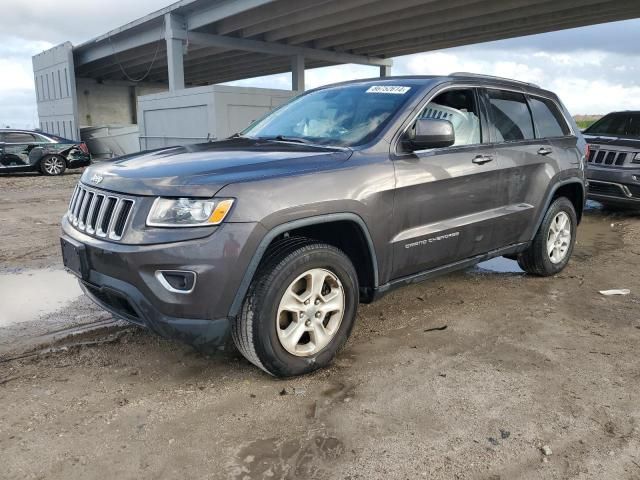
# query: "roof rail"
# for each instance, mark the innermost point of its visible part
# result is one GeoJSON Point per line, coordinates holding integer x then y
{"type": "Point", "coordinates": [491, 77]}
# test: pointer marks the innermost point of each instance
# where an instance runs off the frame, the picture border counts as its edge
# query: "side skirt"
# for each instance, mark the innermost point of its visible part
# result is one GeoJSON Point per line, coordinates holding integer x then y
{"type": "Point", "coordinates": [388, 287]}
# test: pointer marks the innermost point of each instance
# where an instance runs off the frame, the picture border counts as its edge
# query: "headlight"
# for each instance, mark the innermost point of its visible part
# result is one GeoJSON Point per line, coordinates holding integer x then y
{"type": "Point", "coordinates": [188, 212]}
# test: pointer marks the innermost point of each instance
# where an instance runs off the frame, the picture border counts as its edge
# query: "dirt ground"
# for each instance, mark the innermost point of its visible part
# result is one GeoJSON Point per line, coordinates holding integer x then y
{"type": "Point", "coordinates": [465, 377]}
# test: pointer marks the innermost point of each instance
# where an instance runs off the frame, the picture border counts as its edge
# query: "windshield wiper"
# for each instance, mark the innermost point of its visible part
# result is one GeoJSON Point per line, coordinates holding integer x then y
{"type": "Point", "coordinates": [283, 138]}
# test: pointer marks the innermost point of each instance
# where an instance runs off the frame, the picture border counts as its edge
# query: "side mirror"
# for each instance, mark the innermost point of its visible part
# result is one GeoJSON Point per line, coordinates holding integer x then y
{"type": "Point", "coordinates": [431, 133]}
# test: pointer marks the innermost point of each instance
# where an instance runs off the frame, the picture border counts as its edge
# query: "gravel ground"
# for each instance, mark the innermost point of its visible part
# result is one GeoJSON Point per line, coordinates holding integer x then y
{"type": "Point", "coordinates": [471, 376]}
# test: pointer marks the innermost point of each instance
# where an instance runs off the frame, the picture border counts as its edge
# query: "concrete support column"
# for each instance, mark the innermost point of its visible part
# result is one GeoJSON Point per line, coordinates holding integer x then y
{"type": "Point", "coordinates": [175, 35]}
{"type": "Point", "coordinates": [385, 70]}
{"type": "Point", "coordinates": [297, 73]}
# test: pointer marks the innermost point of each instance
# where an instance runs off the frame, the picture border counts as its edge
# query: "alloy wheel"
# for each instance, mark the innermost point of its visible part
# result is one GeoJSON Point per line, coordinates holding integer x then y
{"type": "Point", "coordinates": [559, 238]}
{"type": "Point", "coordinates": [54, 165]}
{"type": "Point", "coordinates": [310, 312]}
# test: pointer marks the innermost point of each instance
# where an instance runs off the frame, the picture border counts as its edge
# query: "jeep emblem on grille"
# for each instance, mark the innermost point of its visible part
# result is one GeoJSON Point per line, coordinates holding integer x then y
{"type": "Point", "coordinates": [96, 178]}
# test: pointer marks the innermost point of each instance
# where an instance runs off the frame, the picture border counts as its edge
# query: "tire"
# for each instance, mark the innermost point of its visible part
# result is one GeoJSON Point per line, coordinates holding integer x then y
{"type": "Point", "coordinates": [53, 165]}
{"type": "Point", "coordinates": [265, 333]}
{"type": "Point", "coordinates": [538, 259]}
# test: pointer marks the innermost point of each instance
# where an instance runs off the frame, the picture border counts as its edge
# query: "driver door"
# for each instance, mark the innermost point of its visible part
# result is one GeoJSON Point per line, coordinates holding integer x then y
{"type": "Point", "coordinates": [447, 201]}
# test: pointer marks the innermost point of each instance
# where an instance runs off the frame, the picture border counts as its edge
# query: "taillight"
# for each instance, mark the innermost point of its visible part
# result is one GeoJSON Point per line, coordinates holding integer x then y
{"type": "Point", "coordinates": [83, 146]}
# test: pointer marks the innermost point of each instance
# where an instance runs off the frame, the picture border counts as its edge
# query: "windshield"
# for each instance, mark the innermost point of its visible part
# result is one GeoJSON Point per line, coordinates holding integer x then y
{"type": "Point", "coordinates": [346, 116]}
{"type": "Point", "coordinates": [614, 124]}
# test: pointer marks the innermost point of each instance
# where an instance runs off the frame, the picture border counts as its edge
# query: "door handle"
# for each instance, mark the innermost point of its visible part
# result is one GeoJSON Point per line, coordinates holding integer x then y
{"type": "Point", "coordinates": [482, 159]}
{"type": "Point", "coordinates": [544, 151]}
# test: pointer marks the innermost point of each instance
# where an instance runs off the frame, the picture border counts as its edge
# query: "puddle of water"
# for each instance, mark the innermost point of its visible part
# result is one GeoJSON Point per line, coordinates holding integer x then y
{"type": "Point", "coordinates": [498, 265]}
{"type": "Point", "coordinates": [29, 294]}
{"type": "Point", "coordinates": [598, 232]}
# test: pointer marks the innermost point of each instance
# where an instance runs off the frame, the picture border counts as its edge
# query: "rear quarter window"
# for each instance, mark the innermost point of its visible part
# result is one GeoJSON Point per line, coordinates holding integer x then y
{"type": "Point", "coordinates": [548, 119]}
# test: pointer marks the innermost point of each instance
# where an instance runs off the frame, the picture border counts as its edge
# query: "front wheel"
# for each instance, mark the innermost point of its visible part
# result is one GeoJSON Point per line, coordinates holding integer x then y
{"type": "Point", "coordinates": [552, 246]}
{"type": "Point", "coordinates": [299, 310]}
{"type": "Point", "coordinates": [53, 165]}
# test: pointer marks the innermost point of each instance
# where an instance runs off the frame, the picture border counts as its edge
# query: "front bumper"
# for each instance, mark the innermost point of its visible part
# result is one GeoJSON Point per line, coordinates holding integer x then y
{"type": "Point", "coordinates": [614, 185]}
{"type": "Point", "coordinates": [121, 279]}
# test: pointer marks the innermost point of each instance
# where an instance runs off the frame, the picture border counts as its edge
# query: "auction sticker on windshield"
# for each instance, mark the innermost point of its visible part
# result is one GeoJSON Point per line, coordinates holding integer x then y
{"type": "Point", "coordinates": [396, 90]}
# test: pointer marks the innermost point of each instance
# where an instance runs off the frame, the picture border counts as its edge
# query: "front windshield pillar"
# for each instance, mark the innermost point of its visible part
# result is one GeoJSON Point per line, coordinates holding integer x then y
{"type": "Point", "coordinates": [297, 73]}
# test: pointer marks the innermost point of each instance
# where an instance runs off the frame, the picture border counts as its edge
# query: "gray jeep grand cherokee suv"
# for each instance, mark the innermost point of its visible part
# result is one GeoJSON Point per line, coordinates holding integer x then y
{"type": "Point", "coordinates": [613, 167]}
{"type": "Point", "coordinates": [275, 235]}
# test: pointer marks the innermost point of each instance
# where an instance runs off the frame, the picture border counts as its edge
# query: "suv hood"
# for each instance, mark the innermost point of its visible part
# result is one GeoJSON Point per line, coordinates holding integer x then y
{"type": "Point", "coordinates": [202, 170]}
{"type": "Point", "coordinates": [615, 141]}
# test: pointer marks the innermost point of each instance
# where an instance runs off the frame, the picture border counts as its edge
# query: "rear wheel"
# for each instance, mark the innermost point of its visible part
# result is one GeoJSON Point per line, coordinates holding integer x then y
{"type": "Point", "coordinates": [53, 165]}
{"type": "Point", "coordinates": [299, 310]}
{"type": "Point", "coordinates": [553, 245]}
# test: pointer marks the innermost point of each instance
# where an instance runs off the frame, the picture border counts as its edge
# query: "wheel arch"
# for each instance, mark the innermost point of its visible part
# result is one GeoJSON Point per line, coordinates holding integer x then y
{"type": "Point", "coordinates": [573, 189]}
{"type": "Point", "coordinates": [321, 228]}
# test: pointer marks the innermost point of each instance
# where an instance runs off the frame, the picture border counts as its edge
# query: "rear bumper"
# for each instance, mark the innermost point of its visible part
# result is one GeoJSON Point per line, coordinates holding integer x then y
{"type": "Point", "coordinates": [78, 162]}
{"type": "Point", "coordinates": [614, 185]}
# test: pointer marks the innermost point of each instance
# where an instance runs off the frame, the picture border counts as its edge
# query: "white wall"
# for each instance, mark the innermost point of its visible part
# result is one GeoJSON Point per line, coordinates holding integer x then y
{"type": "Point", "coordinates": [110, 103]}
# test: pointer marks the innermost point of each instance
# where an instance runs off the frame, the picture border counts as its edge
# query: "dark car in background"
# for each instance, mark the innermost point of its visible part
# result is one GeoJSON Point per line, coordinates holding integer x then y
{"type": "Point", "coordinates": [613, 167]}
{"type": "Point", "coordinates": [25, 150]}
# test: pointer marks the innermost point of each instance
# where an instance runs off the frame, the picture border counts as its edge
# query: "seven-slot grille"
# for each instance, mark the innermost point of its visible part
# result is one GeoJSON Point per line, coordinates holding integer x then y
{"type": "Point", "coordinates": [99, 213]}
{"type": "Point", "coordinates": [609, 157]}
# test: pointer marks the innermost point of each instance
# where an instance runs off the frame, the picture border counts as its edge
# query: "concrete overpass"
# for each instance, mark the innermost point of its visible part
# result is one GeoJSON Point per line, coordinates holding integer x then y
{"type": "Point", "coordinates": [202, 42]}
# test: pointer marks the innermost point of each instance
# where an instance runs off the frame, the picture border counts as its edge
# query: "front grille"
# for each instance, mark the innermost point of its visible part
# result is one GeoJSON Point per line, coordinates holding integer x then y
{"type": "Point", "coordinates": [99, 213]}
{"type": "Point", "coordinates": [607, 157]}
{"type": "Point", "coordinates": [609, 189]}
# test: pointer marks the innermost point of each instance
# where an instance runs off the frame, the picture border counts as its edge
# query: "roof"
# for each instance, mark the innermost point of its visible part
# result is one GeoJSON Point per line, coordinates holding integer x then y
{"type": "Point", "coordinates": [233, 39]}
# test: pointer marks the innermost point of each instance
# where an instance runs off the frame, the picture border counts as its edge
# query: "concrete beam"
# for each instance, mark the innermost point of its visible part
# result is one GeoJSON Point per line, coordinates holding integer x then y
{"type": "Point", "coordinates": [342, 13]}
{"type": "Point", "coordinates": [221, 10]}
{"type": "Point", "coordinates": [306, 16]}
{"type": "Point", "coordinates": [472, 17]}
{"type": "Point", "coordinates": [175, 35]}
{"type": "Point", "coordinates": [377, 14]}
{"type": "Point", "coordinates": [234, 43]}
{"type": "Point", "coordinates": [509, 30]}
{"type": "Point", "coordinates": [297, 73]}
{"type": "Point", "coordinates": [265, 13]}
{"type": "Point", "coordinates": [123, 42]}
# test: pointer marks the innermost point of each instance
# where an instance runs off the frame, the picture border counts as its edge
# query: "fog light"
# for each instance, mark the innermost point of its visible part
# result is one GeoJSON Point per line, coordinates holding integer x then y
{"type": "Point", "coordinates": [177, 281]}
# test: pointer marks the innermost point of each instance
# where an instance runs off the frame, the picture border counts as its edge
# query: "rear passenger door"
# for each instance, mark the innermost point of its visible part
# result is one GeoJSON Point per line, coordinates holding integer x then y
{"type": "Point", "coordinates": [527, 162]}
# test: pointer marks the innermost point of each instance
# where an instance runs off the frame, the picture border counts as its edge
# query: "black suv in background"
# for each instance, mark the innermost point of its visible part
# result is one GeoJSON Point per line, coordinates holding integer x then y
{"type": "Point", "coordinates": [613, 168]}
{"type": "Point", "coordinates": [27, 151]}
{"type": "Point", "coordinates": [275, 235]}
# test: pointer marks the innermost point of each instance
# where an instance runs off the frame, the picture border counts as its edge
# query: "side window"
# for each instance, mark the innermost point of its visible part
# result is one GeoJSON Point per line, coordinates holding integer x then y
{"type": "Point", "coordinates": [510, 116]}
{"type": "Point", "coordinates": [633, 130]}
{"type": "Point", "coordinates": [41, 139]}
{"type": "Point", "coordinates": [460, 108]}
{"type": "Point", "coordinates": [18, 137]}
{"type": "Point", "coordinates": [547, 117]}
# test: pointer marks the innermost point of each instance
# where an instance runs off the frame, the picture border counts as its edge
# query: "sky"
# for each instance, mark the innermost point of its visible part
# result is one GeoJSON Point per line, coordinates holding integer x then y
{"type": "Point", "coordinates": [593, 69]}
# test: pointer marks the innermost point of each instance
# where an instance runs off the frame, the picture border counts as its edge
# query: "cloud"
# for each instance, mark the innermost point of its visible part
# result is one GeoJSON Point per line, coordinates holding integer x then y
{"type": "Point", "coordinates": [73, 20]}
